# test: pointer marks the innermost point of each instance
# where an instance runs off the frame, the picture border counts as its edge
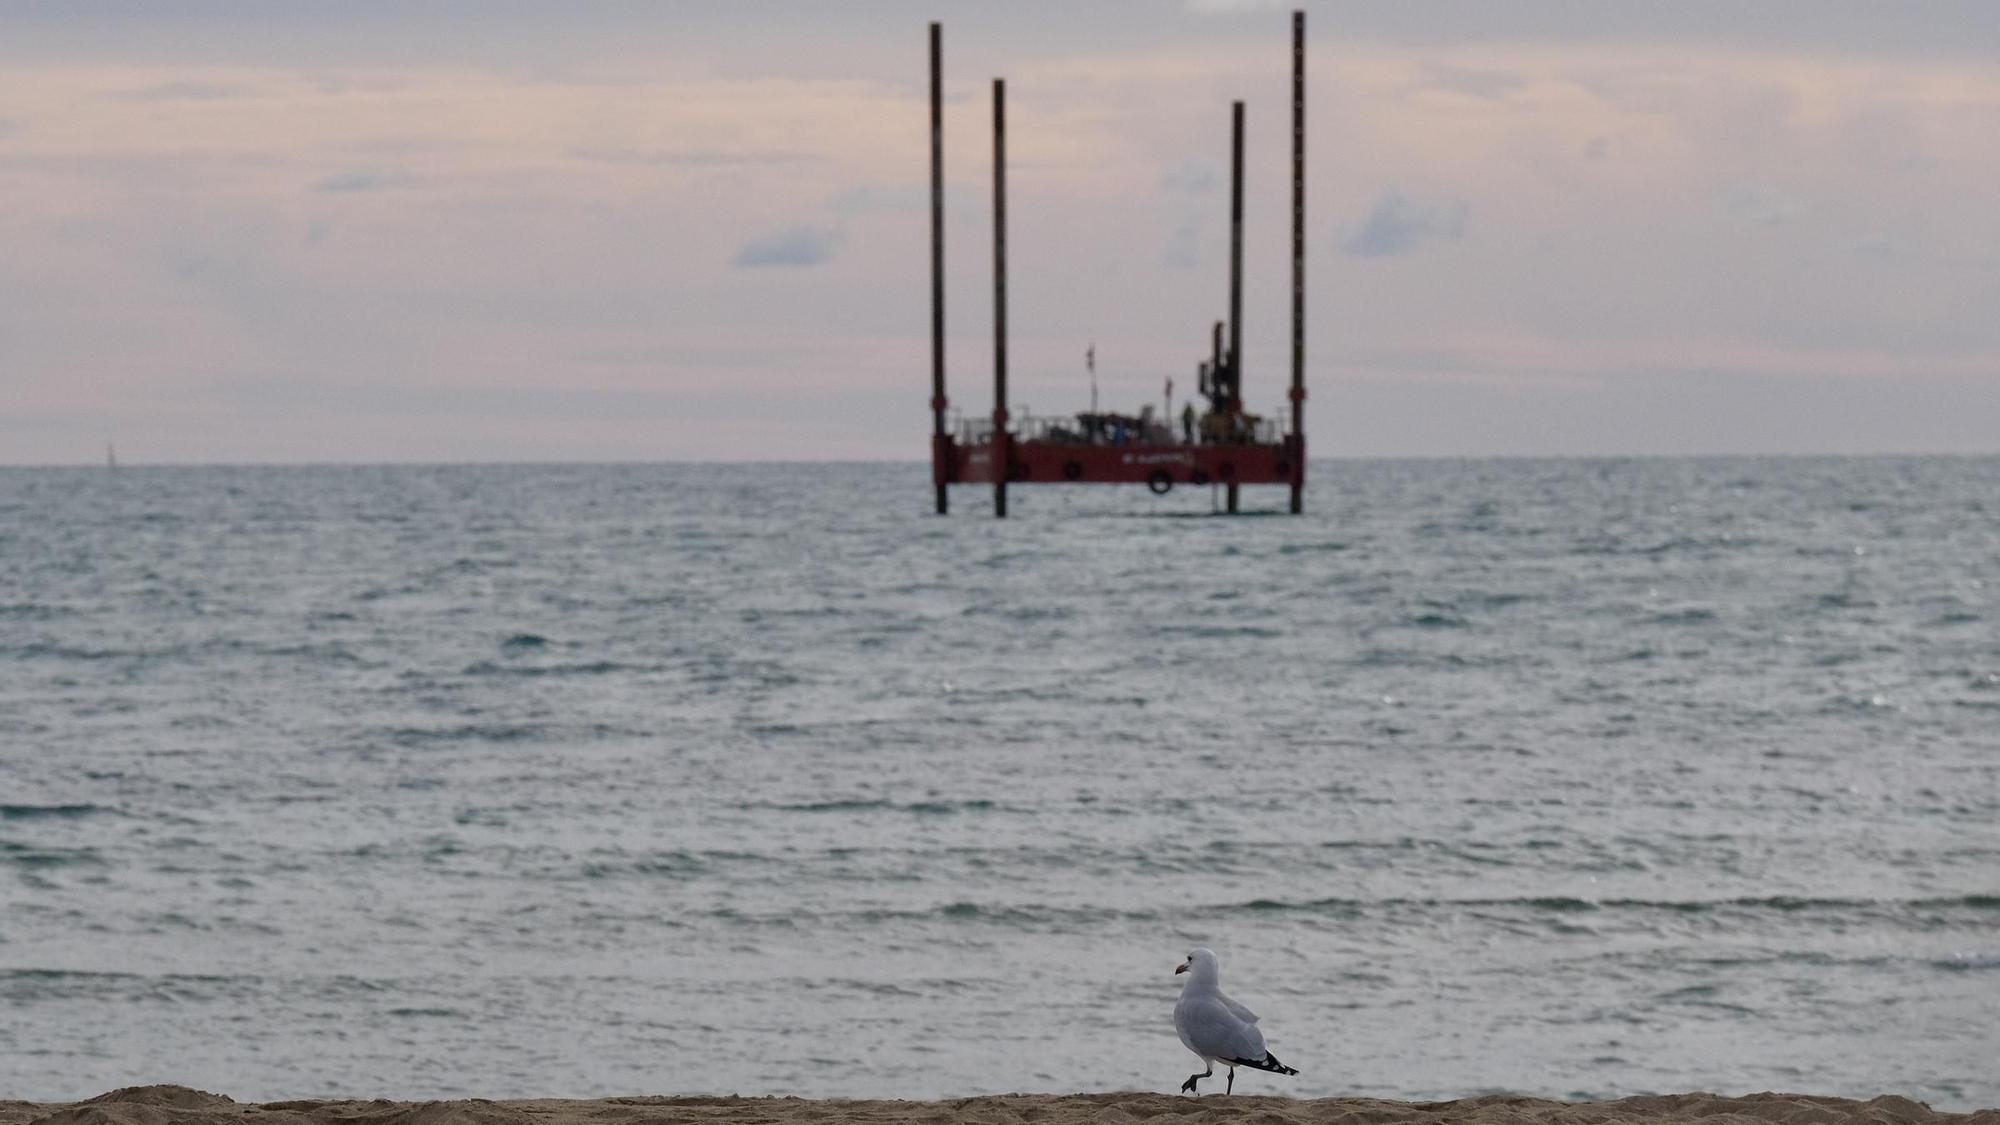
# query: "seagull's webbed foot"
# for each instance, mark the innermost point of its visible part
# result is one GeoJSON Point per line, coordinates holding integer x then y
{"type": "Point", "coordinates": [1188, 1086]}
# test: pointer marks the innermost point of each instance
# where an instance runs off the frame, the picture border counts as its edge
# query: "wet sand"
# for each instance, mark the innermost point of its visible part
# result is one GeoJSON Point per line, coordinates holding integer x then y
{"type": "Point", "coordinates": [178, 1105]}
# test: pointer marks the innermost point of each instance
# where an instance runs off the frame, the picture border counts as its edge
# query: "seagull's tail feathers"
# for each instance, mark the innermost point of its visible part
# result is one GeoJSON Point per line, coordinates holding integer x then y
{"type": "Point", "coordinates": [1268, 1062]}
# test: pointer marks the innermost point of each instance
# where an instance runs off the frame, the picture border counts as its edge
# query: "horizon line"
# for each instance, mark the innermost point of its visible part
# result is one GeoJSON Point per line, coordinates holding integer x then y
{"type": "Point", "coordinates": [923, 463]}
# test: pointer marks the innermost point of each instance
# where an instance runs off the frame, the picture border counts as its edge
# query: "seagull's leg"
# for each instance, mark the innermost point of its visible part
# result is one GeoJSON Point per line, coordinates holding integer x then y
{"type": "Point", "coordinates": [1188, 1086]}
{"type": "Point", "coordinates": [1230, 1086]}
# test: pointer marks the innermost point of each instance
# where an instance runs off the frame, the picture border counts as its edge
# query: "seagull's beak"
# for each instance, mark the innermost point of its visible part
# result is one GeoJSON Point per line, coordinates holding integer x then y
{"type": "Point", "coordinates": [1180, 968]}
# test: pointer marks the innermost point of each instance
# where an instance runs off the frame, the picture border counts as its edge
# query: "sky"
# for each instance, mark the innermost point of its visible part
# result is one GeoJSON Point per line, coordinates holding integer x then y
{"type": "Point", "coordinates": [506, 231]}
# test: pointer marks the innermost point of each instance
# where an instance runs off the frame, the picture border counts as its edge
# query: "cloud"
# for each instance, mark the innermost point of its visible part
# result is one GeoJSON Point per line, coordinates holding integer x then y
{"type": "Point", "coordinates": [865, 198]}
{"type": "Point", "coordinates": [1233, 7]}
{"type": "Point", "coordinates": [186, 90]}
{"type": "Point", "coordinates": [1758, 205]}
{"type": "Point", "coordinates": [364, 180]}
{"type": "Point", "coordinates": [1399, 224]}
{"type": "Point", "coordinates": [1597, 148]}
{"type": "Point", "coordinates": [1188, 185]}
{"type": "Point", "coordinates": [1475, 82]}
{"type": "Point", "coordinates": [1184, 244]}
{"type": "Point", "coordinates": [1191, 177]}
{"type": "Point", "coordinates": [696, 158]}
{"type": "Point", "coordinates": [793, 246]}
{"type": "Point", "coordinates": [1882, 248]}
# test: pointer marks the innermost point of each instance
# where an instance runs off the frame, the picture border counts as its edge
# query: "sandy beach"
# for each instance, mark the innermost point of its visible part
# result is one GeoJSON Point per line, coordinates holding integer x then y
{"type": "Point", "coordinates": [178, 1105]}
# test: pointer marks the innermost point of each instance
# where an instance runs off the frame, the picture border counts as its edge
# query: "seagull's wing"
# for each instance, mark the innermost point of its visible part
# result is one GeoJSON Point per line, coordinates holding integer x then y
{"type": "Point", "coordinates": [1237, 1010]}
{"type": "Point", "coordinates": [1211, 1028]}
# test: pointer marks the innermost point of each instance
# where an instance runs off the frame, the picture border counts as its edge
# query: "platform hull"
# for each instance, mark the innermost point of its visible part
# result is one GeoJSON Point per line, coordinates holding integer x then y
{"type": "Point", "coordinates": [1160, 466]}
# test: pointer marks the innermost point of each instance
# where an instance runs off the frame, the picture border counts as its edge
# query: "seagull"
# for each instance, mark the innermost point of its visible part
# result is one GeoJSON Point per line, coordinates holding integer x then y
{"type": "Point", "coordinates": [1217, 1028]}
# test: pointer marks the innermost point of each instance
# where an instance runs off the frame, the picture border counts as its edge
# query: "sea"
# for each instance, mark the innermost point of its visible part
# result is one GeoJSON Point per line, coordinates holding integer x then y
{"type": "Point", "coordinates": [1570, 778]}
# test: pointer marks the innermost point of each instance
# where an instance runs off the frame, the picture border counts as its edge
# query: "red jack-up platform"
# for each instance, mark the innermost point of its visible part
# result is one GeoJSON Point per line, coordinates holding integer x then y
{"type": "Point", "coordinates": [1230, 447]}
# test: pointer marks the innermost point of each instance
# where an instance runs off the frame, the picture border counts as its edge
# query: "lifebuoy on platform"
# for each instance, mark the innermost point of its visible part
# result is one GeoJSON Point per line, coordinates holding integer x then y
{"type": "Point", "coordinates": [1198, 478]}
{"type": "Point", "coordinates": [1160, 481]}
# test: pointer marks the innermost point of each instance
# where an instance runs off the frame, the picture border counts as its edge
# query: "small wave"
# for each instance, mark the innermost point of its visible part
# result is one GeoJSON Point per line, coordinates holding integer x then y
{"type": "Point", "coordinates": [1703, 996]}
{"type": "Point", "coordinates": [322, 653]}
{"type": "Point", "coordinates": [29, 857]}
{"type": "Point", "coordinates": [1697, 543]}
{"type": "Point", "coordinates": [592, 668]}
{"type": "Point", "coordinates": [839, 806]}
{"type": "Point", "coordinates": [1003, 559]}
{"type": "Point", "coordinates": [1683, 617]}
{"type": "Point", "coordinates": [1039, 917]}
{"type": "Point", "coordinates": [1967, 962]}
{"type": "Point", "coordinates": [1784, 904]}
{"type": "Point", "coordinates": [32, 984]}
{"type": "Point", "coordinates": [962, 912]}
{"type": "Point", "coordinates": [1347, 907]}
{"type": "Point", "coordinates": [505, 733]}
{"type": "Point", "coordinates": [1022, 612]}
{"type": "Point", "coordinates": [469, 732]}
{"type": "Point", "coordinates": [1563, 904]}
{"type": "Point", "coordinates": [759, 616]}
{"type": "Point", "coordinates": [1217, 632]}
{"type": "Point", "coordinates": [34, 611]}
{"type": "Point", "coordinates": [948, 808]}
{"type": "Point", "coordinates": [47, 650]}
{"type": "Point", "coordinates": [679, 864]}
{"type": "Point", "coordinates": [34, 812]}
{"type": "Point", "coordinates": [61, 974]}
{"type": "Point", "coordinates": [855, 804]}
{"type": "Point", "coordinates": [524, 642]}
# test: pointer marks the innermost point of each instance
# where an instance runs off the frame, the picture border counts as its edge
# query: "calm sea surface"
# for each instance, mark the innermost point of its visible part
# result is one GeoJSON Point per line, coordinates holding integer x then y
{"type": "Point", "coordinates": [1574, 778]}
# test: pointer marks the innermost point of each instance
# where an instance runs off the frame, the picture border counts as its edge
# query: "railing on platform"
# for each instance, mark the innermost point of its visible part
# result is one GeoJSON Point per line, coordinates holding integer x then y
{"type": "Point", "coordinates": [1114, 430]}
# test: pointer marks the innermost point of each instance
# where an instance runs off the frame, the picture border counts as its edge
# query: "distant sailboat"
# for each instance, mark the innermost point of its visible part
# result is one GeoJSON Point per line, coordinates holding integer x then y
{"type": "Point", "coordinates": [110, 456]}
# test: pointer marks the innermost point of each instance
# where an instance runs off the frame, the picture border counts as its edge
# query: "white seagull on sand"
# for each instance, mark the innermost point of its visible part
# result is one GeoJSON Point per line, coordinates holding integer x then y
{"type": "Point", "coordinates": [1217, 1028]}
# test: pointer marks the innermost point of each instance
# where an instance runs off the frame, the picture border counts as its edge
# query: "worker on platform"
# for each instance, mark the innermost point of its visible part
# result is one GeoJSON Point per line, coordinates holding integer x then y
{"type": "Point", "coordinates": [1187, 424]}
